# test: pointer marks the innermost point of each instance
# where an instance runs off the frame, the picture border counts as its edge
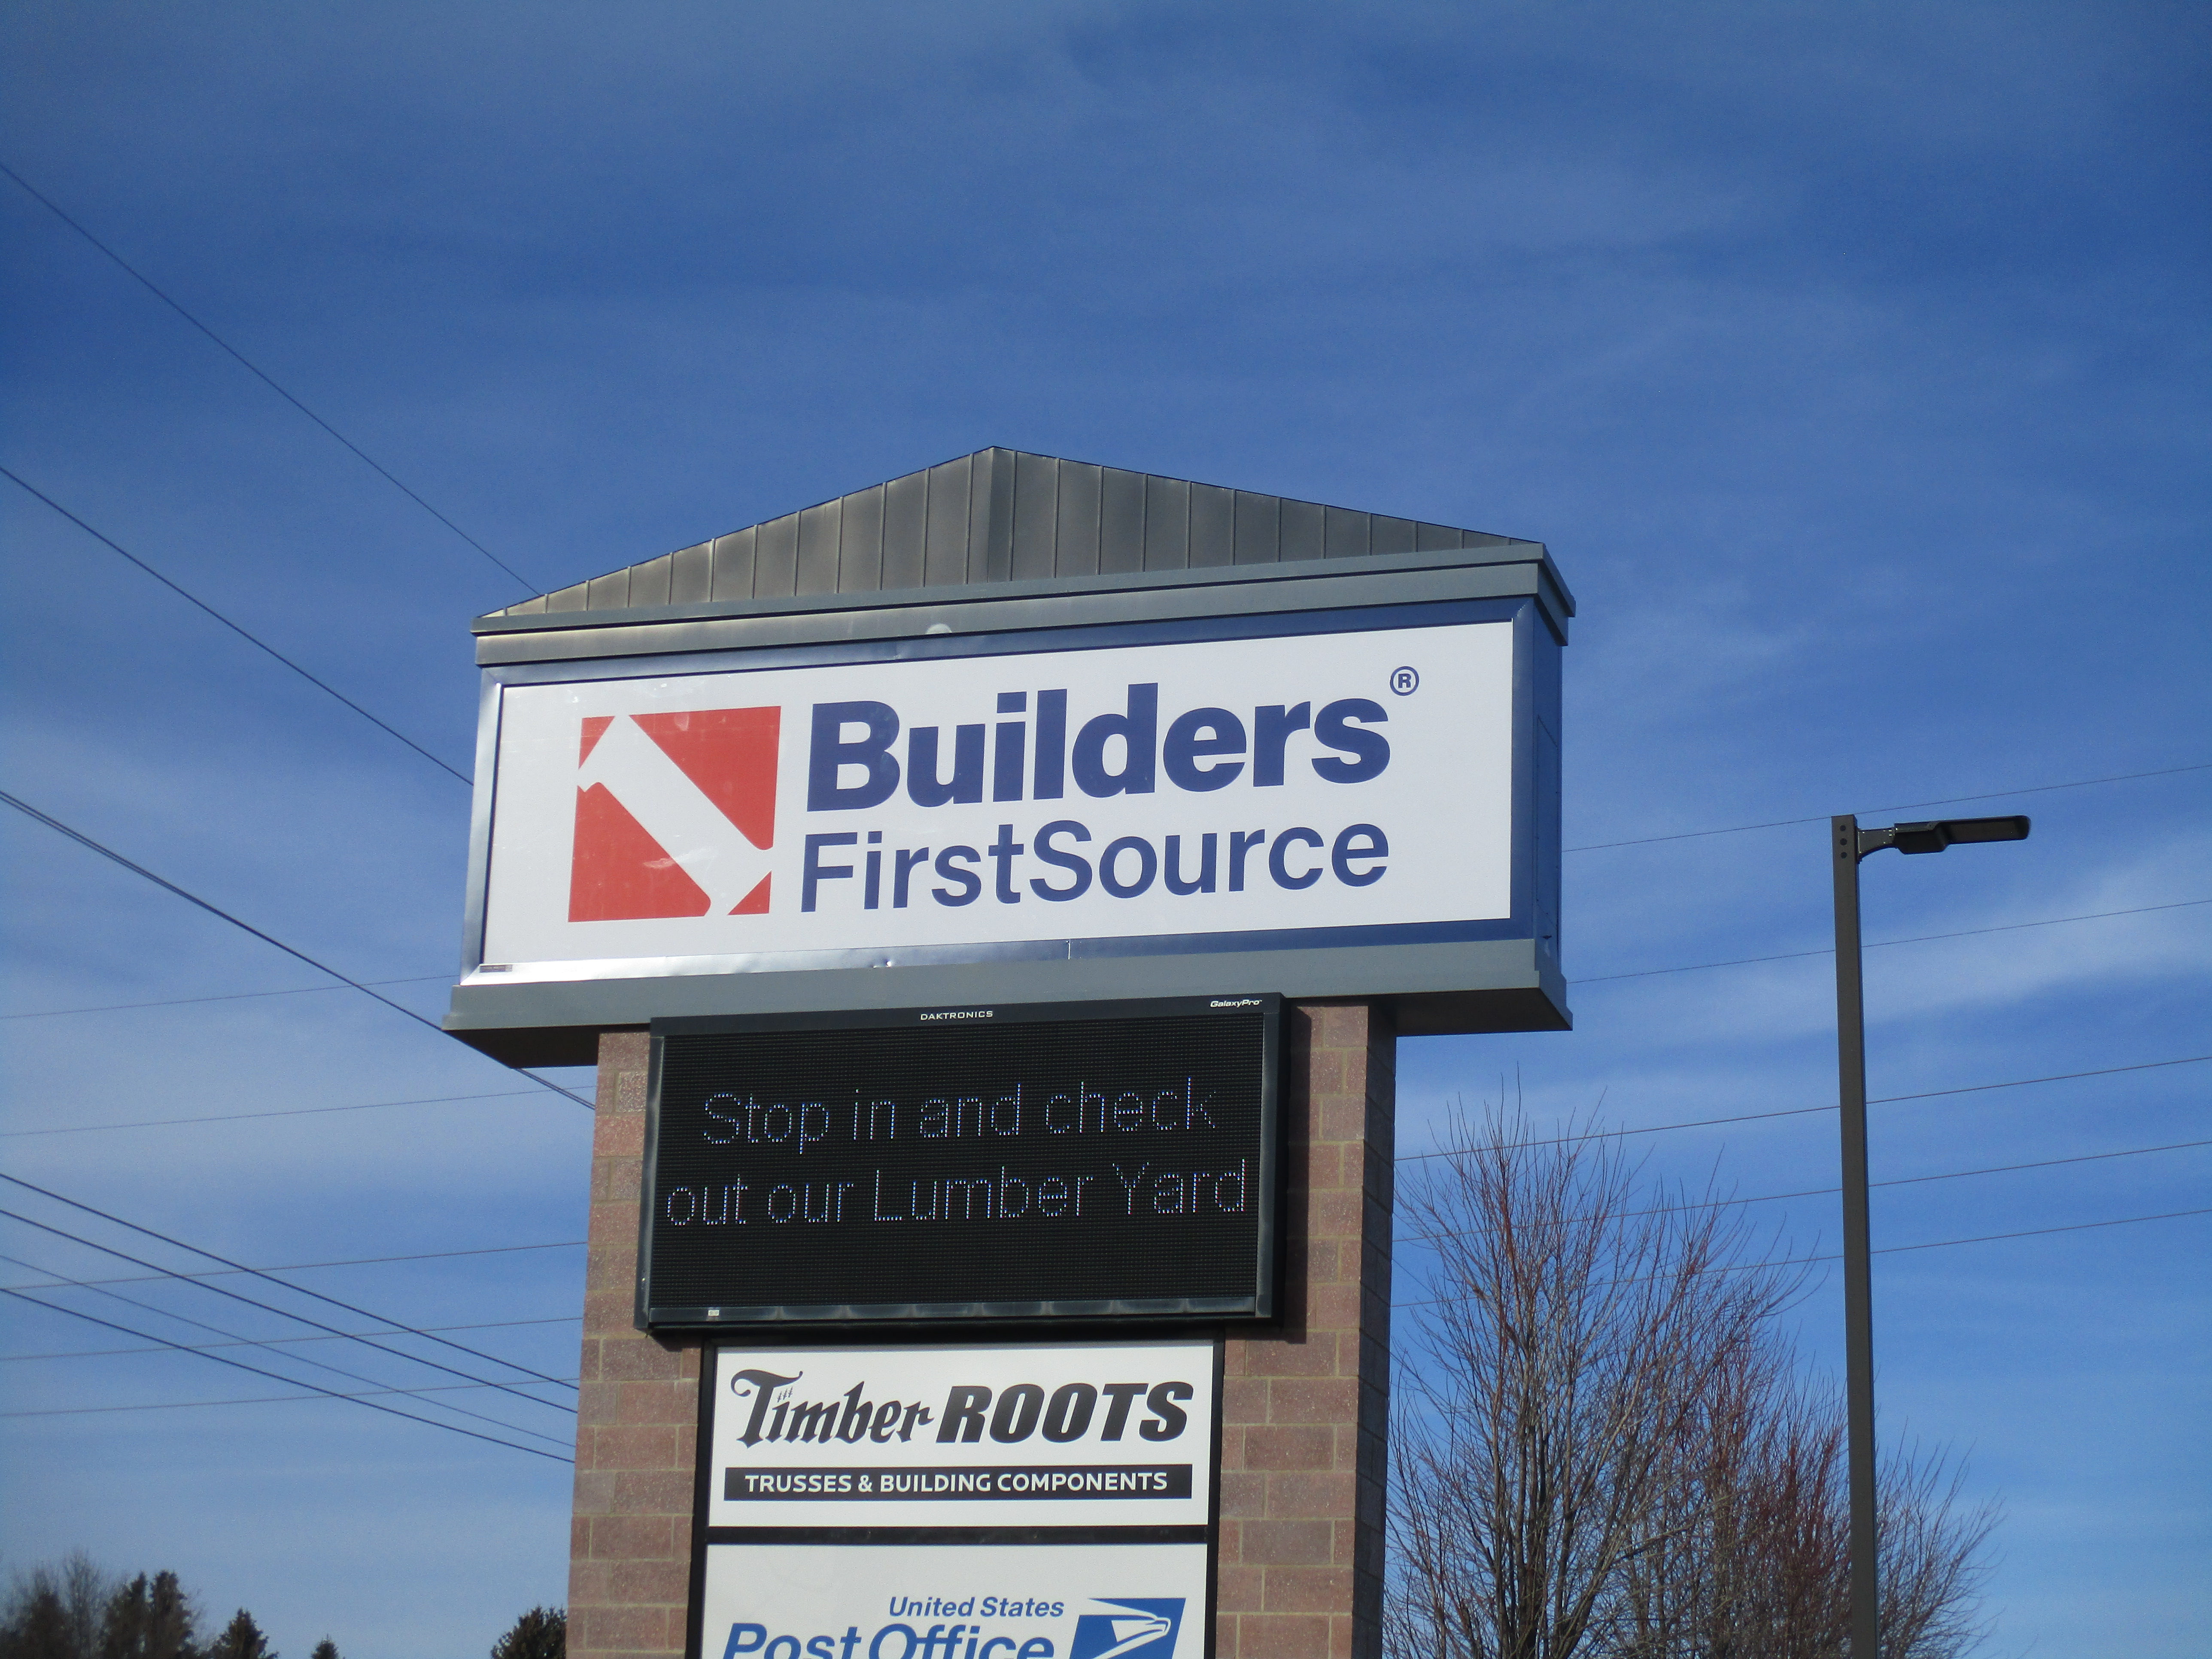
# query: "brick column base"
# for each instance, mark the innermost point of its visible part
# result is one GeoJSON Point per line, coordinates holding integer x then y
{"type": "Point", "coordinates": [637, 1418]}
{"type": "Point", "coordinates": [1306, 1408]}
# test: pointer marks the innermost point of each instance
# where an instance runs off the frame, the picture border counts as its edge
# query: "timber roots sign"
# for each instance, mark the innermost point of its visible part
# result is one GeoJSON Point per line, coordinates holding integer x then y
{"type": "Point", "coordinates": [1119, 1438]}
{"type": "Point", "coordinates": [962, 1436]}
{"type": "Point", "coordinates": [976, 852]}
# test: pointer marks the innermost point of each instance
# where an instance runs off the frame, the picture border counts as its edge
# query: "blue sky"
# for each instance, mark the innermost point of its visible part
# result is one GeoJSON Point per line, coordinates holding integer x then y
{"type": "Point", "coordinates": [1852, 360]}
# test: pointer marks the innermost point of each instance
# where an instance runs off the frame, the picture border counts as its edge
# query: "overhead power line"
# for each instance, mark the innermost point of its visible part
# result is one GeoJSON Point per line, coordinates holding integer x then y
{"type": "Point", "coordinates": [1594, 979]}
{"type": "Point", "coordinates": [290, 1111]}
{"type": "Point", "coordinates": [1825, 1192]}
{"type": "Point", "coordinates": [166, 885]}
{"type": "Point", "coordinates": [298, 1290]}
{"type": "Point", "coordinates": [139, 277]}
{"type": "Point", "coordinates": [286, 1313]}
{"type": "Point", "coordinates": [1895, 1249]}
{"type": "Point", "coordinates": [292, 1382]}
{"type": "Point", "coordinates": [276, 1341]}
{"type": "Point", "coordinates": [348, 1261]}
{"type": "Point", "coordinates": [244, 633]}
{"type": "Point", "coordinates": [254, 369]}
{"type": "Point", "coordinates": [1908, 807]}
{"type": "Point", "coordinates": [237, 1340]}
{"type": "Point", "coordinates": [1808, 1111]}
{"type": "Point", "coordinates": [2010, 1083]}
{"type": "Point", "coordinates": [1917, 939]}
{"type": "Point", "coordinates": [226, 996]}
{"type": "Point", "coordinates": [255, 1400]}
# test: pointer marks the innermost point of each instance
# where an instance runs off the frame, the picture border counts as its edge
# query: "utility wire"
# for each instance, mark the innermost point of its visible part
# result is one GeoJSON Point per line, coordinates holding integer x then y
{"type": "Point", "coordinates": [1764, 1198]}
{"type": "Point", "coordinates": [228, 996]}
{"type": "Point", "coordinates": [348, 1261]}
{"type": "Point", "coordinates": [1807, 1111]}
{"type": "Point", "coordinates": [1824, 1192]}
{"type": "Point", "coordinates": [256, 1399]}
{"type": "Point", "coordinates": [290, 1111]}
{"type": "Point", "coordinates": [294, 1382]}
{"type": "Point", "coordinates": [298, 1289]}
{"type": "Point", "coordinates": [1871, 944]}
{"type": "Point", "coordinates": [1887, 1250]}
{"type": "Point", "coordinates": [108, 852]}
{"type": "Point", "coordinates": [147, 282]}
{"type": "Point", "coordinates": [578, 1243]}
{"type": "Point", "coordinates": [1646, 973]}
{"type": "Point", "coordinates": [54, 208]}
{"type": "Point", "coordinates": [240, 1341]}
{"type": "Point", "coordinates": [1403, 1158]}
{"type": "Point", "coordinates": [242, 632]}
{"type": "Point", "coordinates": [274, 1341]}
{"type": "Point", "coordinates": [1871, 811]}
{"type": "Point", "coordinates": [285, 1313]}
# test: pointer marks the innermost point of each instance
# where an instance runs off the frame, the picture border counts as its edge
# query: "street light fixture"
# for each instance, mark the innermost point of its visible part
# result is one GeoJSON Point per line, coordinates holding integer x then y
{"type": "Point", "coordinates": [1848, 844]}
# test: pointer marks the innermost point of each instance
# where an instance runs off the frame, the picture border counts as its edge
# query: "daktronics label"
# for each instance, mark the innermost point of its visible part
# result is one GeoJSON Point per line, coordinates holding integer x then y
{"type": "Point", "coordinates": [1069, 1434]}
{"type": "Point", "coordinates": [1329, 780]}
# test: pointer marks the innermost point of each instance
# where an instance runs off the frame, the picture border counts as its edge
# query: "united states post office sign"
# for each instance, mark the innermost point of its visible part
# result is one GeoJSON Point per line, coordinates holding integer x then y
{"type": "Point", "coordinates": [951, 1600]}
{"type": "Point", "coordinates": [1194, 794]}
{"type": "Point", "coordinates": [1090, 1434]}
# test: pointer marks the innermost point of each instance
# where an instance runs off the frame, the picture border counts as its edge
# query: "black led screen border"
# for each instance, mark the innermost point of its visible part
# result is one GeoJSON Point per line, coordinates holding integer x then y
{"type": "Point", "coordinates": [1071, 1163]}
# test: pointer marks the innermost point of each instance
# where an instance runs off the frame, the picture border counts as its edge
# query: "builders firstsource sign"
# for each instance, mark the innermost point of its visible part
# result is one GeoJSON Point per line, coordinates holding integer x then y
{"type": "Point", "coordinates": [964, 807]}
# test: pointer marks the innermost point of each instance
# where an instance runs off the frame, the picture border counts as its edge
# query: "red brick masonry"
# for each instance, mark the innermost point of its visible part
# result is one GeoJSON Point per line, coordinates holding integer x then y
{"type": "Point", "coordinates": [637, 1420]}
{"type": "Point", "coordinates": [1303, 1410]}
{"type": "Point", "coordinates": [1305, 1407]}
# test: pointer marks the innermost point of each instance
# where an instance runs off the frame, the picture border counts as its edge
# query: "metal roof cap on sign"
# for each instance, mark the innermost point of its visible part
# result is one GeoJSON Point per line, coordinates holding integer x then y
{"type": "Point", "coordinates": [1018, 524]}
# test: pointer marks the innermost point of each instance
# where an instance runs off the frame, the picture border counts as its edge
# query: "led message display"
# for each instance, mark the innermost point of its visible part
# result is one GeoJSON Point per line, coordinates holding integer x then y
{"type": "Point", "coordinates": [1111, 1160]}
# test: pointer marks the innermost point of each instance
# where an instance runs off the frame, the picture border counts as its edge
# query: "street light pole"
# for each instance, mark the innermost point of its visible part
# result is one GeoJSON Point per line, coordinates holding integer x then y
{"type": "Point", "coordinates": [1858, 1268]}
{"type": "Point", "coordinates": [1847, 845]}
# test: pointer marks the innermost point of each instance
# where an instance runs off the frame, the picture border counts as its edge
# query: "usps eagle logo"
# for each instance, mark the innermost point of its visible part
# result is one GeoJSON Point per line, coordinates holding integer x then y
{"type": "Point", "coordinates": [675, 815]}
{"type": "Point", "coordinates": [1141, 1629]}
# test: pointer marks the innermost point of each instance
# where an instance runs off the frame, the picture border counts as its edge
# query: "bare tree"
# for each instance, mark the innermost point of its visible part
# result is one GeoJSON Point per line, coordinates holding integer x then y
{"type": "Point", "coordinates": [1573, 1336]}
{"type": "Point", "coordinates": [1608, 1448]}
{"type": "Point", "coordinates": [85, 1591]}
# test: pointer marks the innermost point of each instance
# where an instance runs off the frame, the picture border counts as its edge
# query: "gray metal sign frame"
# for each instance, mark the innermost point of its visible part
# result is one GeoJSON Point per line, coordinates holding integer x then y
{"type": "Point", "coordinates": [1449, 978]}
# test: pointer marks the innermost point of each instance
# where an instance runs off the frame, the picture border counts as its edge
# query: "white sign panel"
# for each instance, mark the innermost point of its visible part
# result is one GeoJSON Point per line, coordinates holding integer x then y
{"type": "Point", "coordinates": [954, 1601]}
{"type": "Point", "coordinates": [1322, 781]}
{"type": "Point", "coordinates": [1066, 1434]}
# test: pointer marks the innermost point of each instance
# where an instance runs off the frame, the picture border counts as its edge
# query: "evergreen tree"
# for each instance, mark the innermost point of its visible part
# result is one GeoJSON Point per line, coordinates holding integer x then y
{"type": "Point", "coordinates": [241, 1638]}
{"type": "Point", "coordinates": [326, 1648]}
{"type": "Point", "coordinates": [540, 1633]}
{"type": "Point", "coordinates": [37, 1626]}
{"type": "Point", "coordinates": [148, 1620]}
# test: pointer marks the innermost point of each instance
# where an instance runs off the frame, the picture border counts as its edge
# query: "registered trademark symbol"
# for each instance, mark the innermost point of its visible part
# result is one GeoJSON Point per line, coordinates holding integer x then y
{"type": "Point", "coordinates": [1405, 682]}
